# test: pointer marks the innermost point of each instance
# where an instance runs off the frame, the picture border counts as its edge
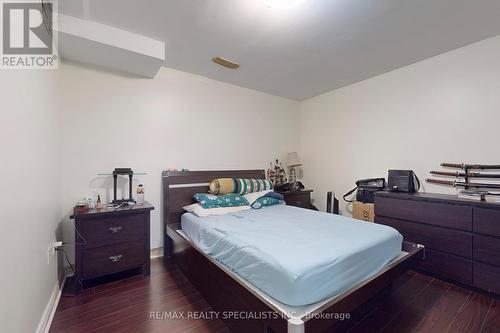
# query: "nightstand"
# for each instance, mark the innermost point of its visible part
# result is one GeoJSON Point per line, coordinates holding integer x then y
{"type": "Point", "coordinates": [111, 241]}
{"type": "Point", "coordinates": [300, 199]}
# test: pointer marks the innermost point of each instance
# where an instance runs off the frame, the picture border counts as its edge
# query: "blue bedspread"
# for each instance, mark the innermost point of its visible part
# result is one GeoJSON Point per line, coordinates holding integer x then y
{"type": "Point", "coordinates": [296, 256]}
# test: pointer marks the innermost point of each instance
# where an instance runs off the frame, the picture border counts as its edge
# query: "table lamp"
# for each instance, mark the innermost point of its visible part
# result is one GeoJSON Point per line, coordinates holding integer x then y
{"type": "Point", "coordinates": [293, 161]}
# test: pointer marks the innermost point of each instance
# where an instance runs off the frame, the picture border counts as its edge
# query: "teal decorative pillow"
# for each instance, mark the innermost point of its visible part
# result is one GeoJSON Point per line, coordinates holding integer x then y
{"type": "Point", "coordinates": [266, 202]}
{"type": "Point", "coordinates": [245, 186]}
{"type": "Point", "coordinates": [214, 201]}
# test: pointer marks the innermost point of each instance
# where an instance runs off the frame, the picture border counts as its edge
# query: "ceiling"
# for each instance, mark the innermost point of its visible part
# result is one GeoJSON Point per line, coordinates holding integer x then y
{"type": "Point", "coordinates": [297, 48]}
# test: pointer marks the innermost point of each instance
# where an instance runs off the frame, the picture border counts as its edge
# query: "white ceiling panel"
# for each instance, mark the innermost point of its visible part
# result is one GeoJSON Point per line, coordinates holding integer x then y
{"type": "Point", "coordinates": [297, 48]}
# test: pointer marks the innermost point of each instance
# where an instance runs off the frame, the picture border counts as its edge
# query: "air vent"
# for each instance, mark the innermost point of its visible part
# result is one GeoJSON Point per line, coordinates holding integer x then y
{"type": "Point", "coordinates": [226, 63]}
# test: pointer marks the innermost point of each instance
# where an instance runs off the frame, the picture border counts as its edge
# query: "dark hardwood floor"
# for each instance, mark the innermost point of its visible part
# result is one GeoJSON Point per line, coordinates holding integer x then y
{"type": "Point", "coordinates": [417, 303]}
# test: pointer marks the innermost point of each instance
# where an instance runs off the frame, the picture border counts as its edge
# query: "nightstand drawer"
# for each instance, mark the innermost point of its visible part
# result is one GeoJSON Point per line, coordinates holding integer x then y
{"type": "Point", "coordinates": [111, 259]}
{"type": "Point", "coordinates": [298, 199]}
{"type": "Point", "coordinates": [113, 230]}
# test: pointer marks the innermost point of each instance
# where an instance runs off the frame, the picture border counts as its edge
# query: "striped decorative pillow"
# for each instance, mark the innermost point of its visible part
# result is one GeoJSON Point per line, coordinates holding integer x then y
{"type": "Point", "coordinates": [244, 186]}
{"type": "Point", "coordinates": [222, 186]}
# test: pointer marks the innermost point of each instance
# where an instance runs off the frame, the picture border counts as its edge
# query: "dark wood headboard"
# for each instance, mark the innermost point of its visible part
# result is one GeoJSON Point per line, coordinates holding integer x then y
{"type": "Point", "coordinates": [180, 186]}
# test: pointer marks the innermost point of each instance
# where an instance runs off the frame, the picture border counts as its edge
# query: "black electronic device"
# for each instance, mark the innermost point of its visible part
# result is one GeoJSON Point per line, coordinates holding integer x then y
{"type": "Point", "coordinates": [403, 181]}
{"type": "Point", "coordinates": [332, 204]}
{"type": "Point", "coordinates": [366, 189]}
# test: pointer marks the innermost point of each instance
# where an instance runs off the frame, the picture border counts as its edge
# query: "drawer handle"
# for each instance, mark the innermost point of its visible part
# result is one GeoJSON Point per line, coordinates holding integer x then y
{"type": "Point", "coordinates": [115, 258]}
{"type": "Point", "coordinates": [115, 229]}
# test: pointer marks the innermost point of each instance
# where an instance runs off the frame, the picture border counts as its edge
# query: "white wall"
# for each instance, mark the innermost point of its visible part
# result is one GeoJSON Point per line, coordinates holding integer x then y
{"type": "Point", "coordinates": [444, 109]}
{"type": "Point", "coordinates": [30, 196]}
{"type": "Point", "coordinates": [59, 129]}
{"type": "Point", "coordinates": [176, 120]}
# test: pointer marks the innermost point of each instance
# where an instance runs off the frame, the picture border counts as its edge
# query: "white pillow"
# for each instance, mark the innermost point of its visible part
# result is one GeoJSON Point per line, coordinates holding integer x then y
{"type": "Point", "coordinates": [251, 197]}
{"type": "Point", "coordinates": [199, 211]}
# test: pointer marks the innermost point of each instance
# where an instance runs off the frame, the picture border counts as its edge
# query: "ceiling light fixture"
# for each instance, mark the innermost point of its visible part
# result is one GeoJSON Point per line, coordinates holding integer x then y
{"type": "Point", "coordinates": [225, 63]}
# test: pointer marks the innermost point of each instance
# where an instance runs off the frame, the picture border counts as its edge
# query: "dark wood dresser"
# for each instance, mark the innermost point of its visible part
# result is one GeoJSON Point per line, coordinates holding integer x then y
{"type": "Point", "coordinates": [112, 241]}
{"type": "Point", "coordinates": [300, 199]}
{"type": "Point", "coordinates": [461, 237]}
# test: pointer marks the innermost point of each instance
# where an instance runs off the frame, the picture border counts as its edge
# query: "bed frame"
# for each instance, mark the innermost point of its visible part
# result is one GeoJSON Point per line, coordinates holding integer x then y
{"type": "Point", "coordinates": [226, 292]}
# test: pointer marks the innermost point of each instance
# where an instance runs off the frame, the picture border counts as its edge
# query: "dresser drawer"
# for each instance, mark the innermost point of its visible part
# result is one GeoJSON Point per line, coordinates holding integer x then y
{"type": "Point", "coordinates": [487, 250]}
{"type": "Point", "coordinates": [437, 238]}
{"type": "Point", "coordinates": [111, 259]}
{"type": "Point", "coordinates": [447, 266]}
{"type": "Point", "coordinates": [114, 230]}
{"type": "Point", "coordinates": [487, 277]}
{"type": "Point", "coordinates": [487, 221]}
{"type": "Point", "coordinates": [439, 214]}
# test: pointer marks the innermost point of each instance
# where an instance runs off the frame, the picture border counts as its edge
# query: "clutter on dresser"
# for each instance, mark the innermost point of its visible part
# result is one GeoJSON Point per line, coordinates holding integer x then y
{"type": "Point", "coordinates": [98, 204]}
{"type": "Point", "coordinates": [175, 169]}
{"type": "Point", "coordinates": [480, 195]}
{"type": "Point", "coordinates": [81, 206]}
{"type": "Point", "coordinates": [403, 181]}
{"type": "Point", "coordinates": [128, 172]}
{"type": "Point", "coordinates": [276, 174]}
{"type": "Point", "coordinates": [140, 194]}
{"type": "Point", "coordinates": [461, 178]}
{"type": "Point", "coordinates": [87, 204]}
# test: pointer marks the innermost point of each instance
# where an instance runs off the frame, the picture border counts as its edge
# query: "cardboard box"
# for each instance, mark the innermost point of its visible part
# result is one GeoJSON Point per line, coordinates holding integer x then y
{"type": "Point", "coordinates": [363, 211]}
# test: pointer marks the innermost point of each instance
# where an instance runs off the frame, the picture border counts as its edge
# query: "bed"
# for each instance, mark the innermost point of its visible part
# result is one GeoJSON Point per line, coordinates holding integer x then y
{"type": "Point", "coordinates": [299, 267]}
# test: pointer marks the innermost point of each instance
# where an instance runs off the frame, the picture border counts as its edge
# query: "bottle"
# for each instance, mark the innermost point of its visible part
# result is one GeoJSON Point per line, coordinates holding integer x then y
{"type": "Point", "coordinates": [99, 203]}
{"type": "Point", "coordinates": [140, 194]}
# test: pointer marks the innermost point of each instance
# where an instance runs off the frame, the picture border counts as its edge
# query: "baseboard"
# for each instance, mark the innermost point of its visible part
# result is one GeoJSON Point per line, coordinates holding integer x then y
{"type": "Point", "coordinates": [50, 309]}
{"type": "Point", "coordinates": [156, 253]}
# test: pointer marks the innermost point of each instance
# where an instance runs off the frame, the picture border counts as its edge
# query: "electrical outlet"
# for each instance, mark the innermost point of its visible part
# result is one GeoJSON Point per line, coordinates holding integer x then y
{"type": "Point", "coordinates": [51, 250]}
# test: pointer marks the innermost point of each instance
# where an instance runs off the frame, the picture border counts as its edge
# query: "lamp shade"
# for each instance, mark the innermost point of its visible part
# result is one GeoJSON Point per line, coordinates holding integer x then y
{"type": "Point", "coordinates": [293, 160]}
